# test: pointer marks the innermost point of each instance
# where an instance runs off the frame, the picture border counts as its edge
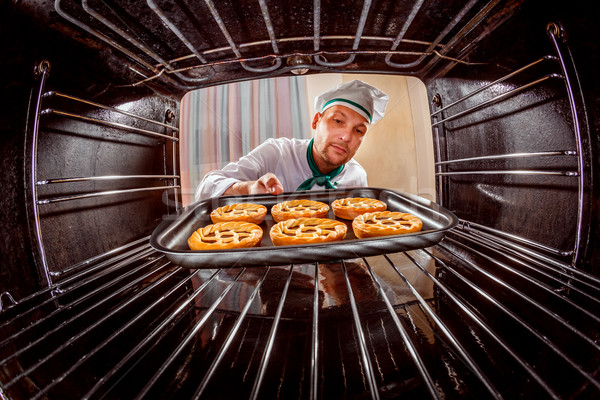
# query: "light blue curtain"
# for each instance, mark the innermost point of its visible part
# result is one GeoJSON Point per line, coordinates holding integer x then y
{"type": "Point", "coordinates": [222, 123]}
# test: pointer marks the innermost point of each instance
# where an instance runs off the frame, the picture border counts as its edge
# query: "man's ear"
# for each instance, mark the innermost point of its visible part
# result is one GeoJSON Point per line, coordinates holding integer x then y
{"type": "Point", "coordinates": [316, 119]}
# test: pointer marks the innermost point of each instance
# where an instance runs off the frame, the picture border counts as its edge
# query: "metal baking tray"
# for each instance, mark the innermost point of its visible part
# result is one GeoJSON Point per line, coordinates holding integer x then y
{"type": "Point", "coordinates": [170, 237]}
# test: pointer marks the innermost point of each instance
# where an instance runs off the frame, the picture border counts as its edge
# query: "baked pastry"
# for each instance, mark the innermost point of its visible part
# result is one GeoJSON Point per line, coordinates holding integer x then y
{"type": "Point", "coordinates": [299, 209]}
{"type": "Point", "coordinates": [352, 207]}
{"type": "Point", "coordinates": [385, 223]}
{"type": "Point", "coordinates": [307, 231]}
{"type": "Point", "coordinates": [226, 235]}
{"type": "Point", "coordinates": [245, 212]}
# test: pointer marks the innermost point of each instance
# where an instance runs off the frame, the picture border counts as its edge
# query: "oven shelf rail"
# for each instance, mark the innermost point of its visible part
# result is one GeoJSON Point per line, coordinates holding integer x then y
{"type": "Point", "coordinates": [496, 99]}
{"type": "Point", "coordinates": [518, 243]}
{"type": "Point", "coordinates": [50, 111]}
{"type": "Point", "coordinates": [508, 156]}
{"type": "Point", "coordinates": [170, 137]}
{"type": "Point", "coordinates": [31, 304]}
{"type": "Point", "coordinates": [563, 279]}
{"type": "Point", "coordinates": [490, 85]}
{"type": "Point", "coordinates": [439, 286]}
{"type": "Point", "coordinates": [76, 273]}
{"type": "Point", "coordinates": [172, 128]}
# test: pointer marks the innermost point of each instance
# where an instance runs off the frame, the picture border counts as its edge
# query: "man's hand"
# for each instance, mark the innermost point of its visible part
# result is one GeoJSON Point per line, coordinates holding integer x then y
{"type": "Point", "coordinates": [268, 183]}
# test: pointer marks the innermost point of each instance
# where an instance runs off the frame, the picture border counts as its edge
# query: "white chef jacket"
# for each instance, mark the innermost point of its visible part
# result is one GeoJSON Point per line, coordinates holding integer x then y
{"type": "Point", "coordinates": [284, 157]}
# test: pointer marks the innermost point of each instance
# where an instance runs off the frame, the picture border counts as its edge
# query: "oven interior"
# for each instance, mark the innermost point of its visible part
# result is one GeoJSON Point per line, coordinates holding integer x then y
{"type": "Point", "coordinates": [506, 306]}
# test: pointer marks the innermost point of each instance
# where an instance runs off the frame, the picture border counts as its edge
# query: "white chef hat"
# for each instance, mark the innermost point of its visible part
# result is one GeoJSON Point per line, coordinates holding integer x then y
{"type": "Point", "coordinates": [357, 95]}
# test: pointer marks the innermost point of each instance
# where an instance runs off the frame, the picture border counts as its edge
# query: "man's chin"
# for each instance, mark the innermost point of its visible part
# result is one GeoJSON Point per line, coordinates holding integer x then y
{"type": "Point", "coordinates": [335, 159]}
{"type": "Point", "coordinates": [336, 162]}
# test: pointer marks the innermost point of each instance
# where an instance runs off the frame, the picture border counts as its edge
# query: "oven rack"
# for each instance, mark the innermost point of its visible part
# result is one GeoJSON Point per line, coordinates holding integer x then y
{"type": "Point", "coordinates": [536, 261]}
{"type": "Point", "coordinates": [581, 174]}
{"type": "Point", "coordinates": [516, 241]}
{"type": "Point", "coordinates": [194, 64]}
{"type": "Point", "coordinates": [170, 178]}
{"type": "Point", "coordinates": [436, 122]}
{"type": "Point", "coordinates": [172, 138]}
{"type": "Point", "coordinates": [446, 315]}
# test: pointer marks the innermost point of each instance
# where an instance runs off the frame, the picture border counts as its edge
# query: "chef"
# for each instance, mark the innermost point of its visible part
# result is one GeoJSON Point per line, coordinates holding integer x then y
{"type": "Point", "coordinates": [343, 116]}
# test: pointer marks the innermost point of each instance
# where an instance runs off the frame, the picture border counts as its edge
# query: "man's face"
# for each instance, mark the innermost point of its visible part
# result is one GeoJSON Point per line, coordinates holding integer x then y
{"type": "Point", "coordinates": [339, 131]}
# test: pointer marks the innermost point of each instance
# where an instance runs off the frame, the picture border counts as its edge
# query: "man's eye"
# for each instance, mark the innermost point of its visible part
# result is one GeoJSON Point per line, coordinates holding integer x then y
{"type": "Point", "coordinates": [337, 121]}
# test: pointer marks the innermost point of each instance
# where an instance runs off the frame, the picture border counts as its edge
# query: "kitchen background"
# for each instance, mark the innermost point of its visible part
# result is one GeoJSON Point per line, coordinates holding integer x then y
{"type": "Point", "coordinates": [232, 119]}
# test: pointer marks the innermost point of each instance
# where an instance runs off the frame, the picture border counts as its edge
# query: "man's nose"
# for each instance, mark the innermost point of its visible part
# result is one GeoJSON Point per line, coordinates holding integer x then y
{"type": "Point", "coordinates": [345, 134]}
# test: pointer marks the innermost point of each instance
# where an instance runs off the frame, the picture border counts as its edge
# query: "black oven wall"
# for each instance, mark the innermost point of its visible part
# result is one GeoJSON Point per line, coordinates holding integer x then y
{"type": "Point", "coordinates": [78, 219]}
{"type": "Point", "coordinates": [508, 155]}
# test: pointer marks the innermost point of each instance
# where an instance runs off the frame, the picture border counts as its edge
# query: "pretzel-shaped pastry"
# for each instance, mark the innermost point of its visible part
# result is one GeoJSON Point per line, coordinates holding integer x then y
{"type": "Point", "coordinates": [307, 231]}
{"type": "Point", "coordinates": [226, 235]}
{"type": "Point", "coordinates": [244, 212]}
{"type": "Point", "coordinates": [299, 209]}
{"type": "Point", "coordinates": [352, 207]}
{"type": "Point", "coordinates": [385, 223]}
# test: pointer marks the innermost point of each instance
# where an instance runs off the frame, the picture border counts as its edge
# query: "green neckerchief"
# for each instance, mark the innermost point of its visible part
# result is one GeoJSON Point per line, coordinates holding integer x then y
{"type": "Point", "coordinates": [318, 177]}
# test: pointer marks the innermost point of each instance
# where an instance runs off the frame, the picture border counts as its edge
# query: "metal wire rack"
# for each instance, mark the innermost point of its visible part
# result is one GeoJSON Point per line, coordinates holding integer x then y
{"type": "Point", "coordinates": [429, 323]}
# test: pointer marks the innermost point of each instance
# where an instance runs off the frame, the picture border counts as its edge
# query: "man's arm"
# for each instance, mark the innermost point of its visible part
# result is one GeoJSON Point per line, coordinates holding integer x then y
{"type": "Point", "coordinates": [250, 174]}
{"type": "Point", "coordinates": [267, 183]}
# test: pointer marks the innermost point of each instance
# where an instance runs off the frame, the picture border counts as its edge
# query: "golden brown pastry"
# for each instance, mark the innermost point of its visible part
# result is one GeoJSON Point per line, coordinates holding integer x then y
{"type": "Point", "coordinates": [226, 235]}
{"type": "Point", "coordinates": [245, 212]}
{"type": "Point", "coordinates": [307, 231]}
{"type": "Point", "coordinates": [299, 209]}
{"type": "Point", "coordinates": [352, 207]}
{"type": "Point", "coordinates": [385, 223]}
